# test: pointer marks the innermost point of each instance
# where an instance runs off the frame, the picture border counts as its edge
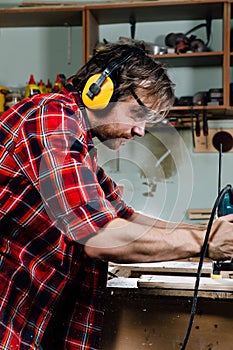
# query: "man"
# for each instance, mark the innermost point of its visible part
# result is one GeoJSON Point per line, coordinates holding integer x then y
{"type": "Point", "coordinates": [62, 218]}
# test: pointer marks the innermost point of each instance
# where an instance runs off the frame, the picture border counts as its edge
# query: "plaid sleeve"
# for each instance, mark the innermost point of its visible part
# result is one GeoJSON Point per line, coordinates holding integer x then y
{"type": "Point", "coordinates": [64, 171]}
{"type": "Point", "coordinates": [113, 194]}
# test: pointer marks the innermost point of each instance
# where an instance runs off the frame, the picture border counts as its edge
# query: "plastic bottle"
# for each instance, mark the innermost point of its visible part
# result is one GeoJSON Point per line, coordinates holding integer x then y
{"type": "Point", "coordinates": [32, 88]}
{"type": "Point", "coordinates": [58, 84]}
{"type": "Point", "coordinates": [42, 87]}
{"type": "Point", "coordinates": [49, 87]}
{"type": "Point", "coordinates": [3, 91]}
{"type": "Point", "coordinates": [13, 96]}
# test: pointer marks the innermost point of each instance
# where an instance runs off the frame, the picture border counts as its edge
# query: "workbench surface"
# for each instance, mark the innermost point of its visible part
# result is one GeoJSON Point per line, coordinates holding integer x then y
{"type": "Point", "coordinates": [175, 278]}
{"type": "Point", "coordinates": [148, 307]}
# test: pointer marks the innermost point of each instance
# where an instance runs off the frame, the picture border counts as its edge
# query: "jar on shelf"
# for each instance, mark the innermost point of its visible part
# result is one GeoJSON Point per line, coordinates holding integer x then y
{"type": "Point", "coordinates": [3, 91]}
{"type": "Point", "coordinates": [13, 96]}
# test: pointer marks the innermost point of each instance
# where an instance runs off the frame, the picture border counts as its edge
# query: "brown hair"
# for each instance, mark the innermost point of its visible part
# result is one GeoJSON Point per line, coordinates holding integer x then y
{"type": "Point", "coordinates": [139, 68]}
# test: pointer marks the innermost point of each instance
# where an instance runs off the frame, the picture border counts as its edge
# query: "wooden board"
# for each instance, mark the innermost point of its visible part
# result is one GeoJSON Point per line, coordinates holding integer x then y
{"type": "Point", "coordinates": [124, 286]}
{"type": "Point", "coordinates": [166, 267]}
{"type": "Point", "coordinates": [205, 143]}
{"type": "Point", "coordinates": [184, 282]}
{"type": "Point", "coordinates": [199, 214]}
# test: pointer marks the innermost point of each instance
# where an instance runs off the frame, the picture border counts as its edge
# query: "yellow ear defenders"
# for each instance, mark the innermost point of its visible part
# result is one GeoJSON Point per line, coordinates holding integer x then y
{"type": "Point", "coordinates": [99, 88]}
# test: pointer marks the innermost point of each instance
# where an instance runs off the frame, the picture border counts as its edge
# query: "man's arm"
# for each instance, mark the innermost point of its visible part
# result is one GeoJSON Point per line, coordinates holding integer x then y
{"type": "Point", "coordinates": [142, 219]}
{"type": "Point", "coordinates": [127, 241]}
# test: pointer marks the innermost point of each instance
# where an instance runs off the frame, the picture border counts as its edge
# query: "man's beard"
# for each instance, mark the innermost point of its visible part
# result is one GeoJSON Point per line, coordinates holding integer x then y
{"type": "Point", "coordinates": [108, 136]}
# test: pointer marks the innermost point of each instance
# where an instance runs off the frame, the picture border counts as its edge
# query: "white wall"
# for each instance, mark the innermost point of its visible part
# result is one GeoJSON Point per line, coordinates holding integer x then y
{"type": "Point", "coordinates": [39, 51]}
{"type": "Point", "coordinates": [188, 80]}
{"type": "Point", "coordinates": [184, 176]}
{"type": "Point", "coordinates": [184, 179]}
{"type": "Point", "coordinates": [192, 181]}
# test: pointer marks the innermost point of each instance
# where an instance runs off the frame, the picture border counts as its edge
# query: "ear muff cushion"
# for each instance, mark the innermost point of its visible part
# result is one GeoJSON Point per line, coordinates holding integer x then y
{"type": "Point", "coordinates": [101, 100]}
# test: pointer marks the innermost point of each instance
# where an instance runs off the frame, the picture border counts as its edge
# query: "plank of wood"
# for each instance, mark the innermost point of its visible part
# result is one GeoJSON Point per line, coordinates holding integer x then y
{"type": "Point", "coordinates": [184, 282]}
{"type": "Point", "coordinates": [185, 267]}
{"type": "Point", "coordinates": [204, 144]}
{"type": "Point", "coordinates": [122, 286]}
{"type": "Point", "coordinates": [52, 4]}
{"type": "Point", "coordinates": [199, 214]}
{"type": "Point", "coordinates": [123, 283]}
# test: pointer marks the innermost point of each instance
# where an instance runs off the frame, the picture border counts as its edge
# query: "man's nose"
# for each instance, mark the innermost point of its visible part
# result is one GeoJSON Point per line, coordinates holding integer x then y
{"type": "Point", "coordinates": [139, 130]}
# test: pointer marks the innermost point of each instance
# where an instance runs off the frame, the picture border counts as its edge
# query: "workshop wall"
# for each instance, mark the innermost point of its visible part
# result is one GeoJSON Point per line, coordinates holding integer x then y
{"type": "Point", "coordinates": [175, 177]}
{"type": "Point", "coordinates": [46, 51]}
{"type": "Point", "coordinates": [162, 175]}
{"type": "Point", "coordinates": [187, 80]}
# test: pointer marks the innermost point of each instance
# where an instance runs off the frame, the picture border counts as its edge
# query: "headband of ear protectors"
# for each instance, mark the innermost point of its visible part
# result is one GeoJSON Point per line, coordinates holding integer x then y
{"type": "Point", "coordinates": [99, 88]}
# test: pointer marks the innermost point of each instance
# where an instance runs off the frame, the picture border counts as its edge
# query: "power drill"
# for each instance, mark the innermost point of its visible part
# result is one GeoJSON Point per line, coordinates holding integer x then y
{"type": "Point", "coordinates": [225, 207]}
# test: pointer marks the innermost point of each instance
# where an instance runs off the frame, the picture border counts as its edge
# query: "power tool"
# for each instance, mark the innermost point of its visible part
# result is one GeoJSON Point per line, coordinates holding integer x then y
{"type": "Point", "coordinates": [225, 207]}
{"type": "Point", "coordinates": [222, 206]}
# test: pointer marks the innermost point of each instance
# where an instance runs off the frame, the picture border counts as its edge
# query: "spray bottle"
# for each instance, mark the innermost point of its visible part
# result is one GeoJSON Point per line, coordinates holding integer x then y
{"type": "Point", "coordinates": [58, 84]}
{"type": "Point", "coordinates": [42, 87]}
{"type": "Point", "coordinates": [32, 88]}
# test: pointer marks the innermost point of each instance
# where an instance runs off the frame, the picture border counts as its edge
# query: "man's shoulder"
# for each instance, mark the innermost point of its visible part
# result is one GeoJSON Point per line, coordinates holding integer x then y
{"type": "Point", "coordinates": [54, 98]}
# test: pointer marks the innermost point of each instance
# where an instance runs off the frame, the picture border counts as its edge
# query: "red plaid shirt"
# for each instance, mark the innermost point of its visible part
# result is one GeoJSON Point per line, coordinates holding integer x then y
{"type": "Point", "coordinates": [53, 197]}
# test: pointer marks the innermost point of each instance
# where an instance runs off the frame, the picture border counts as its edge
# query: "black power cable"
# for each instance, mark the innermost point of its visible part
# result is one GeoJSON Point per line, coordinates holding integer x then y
{"type": "Point", "coordinates": [204, 248]}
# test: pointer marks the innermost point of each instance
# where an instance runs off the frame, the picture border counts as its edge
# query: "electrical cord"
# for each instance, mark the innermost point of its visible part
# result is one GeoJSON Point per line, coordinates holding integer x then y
{"type": "Point", "coordinates": [202, 256]}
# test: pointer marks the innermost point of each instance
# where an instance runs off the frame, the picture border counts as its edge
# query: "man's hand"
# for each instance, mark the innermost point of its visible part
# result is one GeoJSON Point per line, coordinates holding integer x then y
{"type": "Point", "coordinates": [221, 239]}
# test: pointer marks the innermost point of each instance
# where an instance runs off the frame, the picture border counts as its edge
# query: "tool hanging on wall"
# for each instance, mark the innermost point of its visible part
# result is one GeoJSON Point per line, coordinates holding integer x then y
{"type": "Point", "coordinates": [192, 127]}
{"type": "Point", "coordinates": [69, 42]}
{"type": "Point", "coordinates": [132, 23]}
{"type": "Point", "coordinates": [197, 125]}
{"type": "Point", "coordinates": [205, 123]}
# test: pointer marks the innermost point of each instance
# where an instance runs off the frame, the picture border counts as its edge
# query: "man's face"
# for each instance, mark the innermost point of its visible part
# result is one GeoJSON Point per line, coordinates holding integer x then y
{"type": "Point", "coordinates": [119, 123]}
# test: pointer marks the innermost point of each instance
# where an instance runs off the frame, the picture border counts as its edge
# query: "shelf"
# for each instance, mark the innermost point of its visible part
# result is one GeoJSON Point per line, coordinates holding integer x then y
{"type": "Point", "coordinates": [90, 16]}
{"type": "Point", "coordinates": [98, 15]}
{"type": "Point", "coordinates": [163, 11]}
{"type": "Point", "coordinates": [41, 16]}
{"type": "Point", "coordinates": [210, 110]}
{"type": "Point", "coordinates": [192, 59]}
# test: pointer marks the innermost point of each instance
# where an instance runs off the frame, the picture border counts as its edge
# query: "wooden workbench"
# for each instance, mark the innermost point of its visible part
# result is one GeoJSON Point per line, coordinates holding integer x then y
{"type": "Point", "coordinates": [148, 307]}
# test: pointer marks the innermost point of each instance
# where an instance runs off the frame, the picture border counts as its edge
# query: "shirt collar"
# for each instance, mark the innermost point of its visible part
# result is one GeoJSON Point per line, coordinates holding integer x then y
{"type": "Point", "coordinates": [76, 95]}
